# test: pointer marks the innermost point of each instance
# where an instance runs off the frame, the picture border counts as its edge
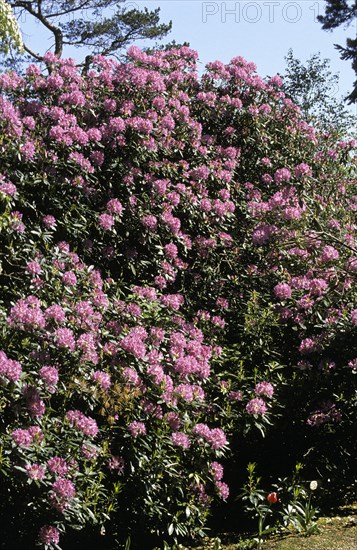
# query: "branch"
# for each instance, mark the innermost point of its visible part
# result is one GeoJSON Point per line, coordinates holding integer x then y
{"type": "Point", "coordinates": [35, 55]}
{"type": "Point", "coordinates": [56, 31]}
{"type": "Point", "coordinates": [69, 10]}
{"type": "Point", "coordinates": [115, 44]}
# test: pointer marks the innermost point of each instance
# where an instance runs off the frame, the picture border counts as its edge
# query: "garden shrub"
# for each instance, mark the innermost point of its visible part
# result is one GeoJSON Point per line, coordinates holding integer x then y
{"type": "Point", "coordinates": [178, 264]}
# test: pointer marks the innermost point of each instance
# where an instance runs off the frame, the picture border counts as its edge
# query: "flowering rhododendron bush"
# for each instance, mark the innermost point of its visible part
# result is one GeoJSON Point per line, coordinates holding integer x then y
{"type": "Point", "coordinates": [178, 264]}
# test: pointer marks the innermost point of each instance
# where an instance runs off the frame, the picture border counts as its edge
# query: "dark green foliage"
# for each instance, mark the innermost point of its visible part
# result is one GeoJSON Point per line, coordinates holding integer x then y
{"type": "Point", "coordinates": [314, 88]}
{"type": "Point", "coordinates": [343, 12]}
{"type": "Point", "coordinates": [103, 27]}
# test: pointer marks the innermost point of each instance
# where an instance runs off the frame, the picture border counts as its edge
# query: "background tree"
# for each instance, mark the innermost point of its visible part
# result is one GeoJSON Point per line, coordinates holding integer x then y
{"type": "Point", "coordinates": [9, 30]}
{"type": "Point", "coordinates": [343, 12]}
{"type": "Point", "coordinates": [88, 24]}
{"type": "Point", "coordinates": [314, 88]}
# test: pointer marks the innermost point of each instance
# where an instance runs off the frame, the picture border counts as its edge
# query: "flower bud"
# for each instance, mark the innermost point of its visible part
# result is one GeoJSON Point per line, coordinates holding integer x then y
{"type": "Point", "coordinates": [272, 498]}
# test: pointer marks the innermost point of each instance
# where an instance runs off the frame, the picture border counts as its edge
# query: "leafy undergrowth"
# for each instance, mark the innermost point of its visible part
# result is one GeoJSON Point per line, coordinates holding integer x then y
{"type": "Point", "coordinates": [338, 533]}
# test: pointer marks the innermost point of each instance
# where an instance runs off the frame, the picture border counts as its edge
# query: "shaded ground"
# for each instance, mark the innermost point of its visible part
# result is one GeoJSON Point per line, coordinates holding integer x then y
{"type": "Point", "coordinates": [336, 533]}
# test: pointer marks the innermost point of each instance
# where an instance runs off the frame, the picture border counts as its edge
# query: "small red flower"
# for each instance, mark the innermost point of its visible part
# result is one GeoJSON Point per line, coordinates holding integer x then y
{"type": "Point", "coordinates": [272, 498]}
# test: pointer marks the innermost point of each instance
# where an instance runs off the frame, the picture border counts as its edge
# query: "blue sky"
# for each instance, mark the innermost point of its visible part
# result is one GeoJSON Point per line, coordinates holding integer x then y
{"type": "Point", "coordinates": [260, 30]}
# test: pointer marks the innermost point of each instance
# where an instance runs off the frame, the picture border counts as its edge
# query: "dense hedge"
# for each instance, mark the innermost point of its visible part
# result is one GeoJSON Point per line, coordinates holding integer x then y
{"type": "Point", "coordinates": [178, 264]}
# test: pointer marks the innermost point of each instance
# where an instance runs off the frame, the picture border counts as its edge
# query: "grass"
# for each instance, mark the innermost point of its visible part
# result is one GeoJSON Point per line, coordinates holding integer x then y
{"type": "Point", "coordinates": [335, 533]}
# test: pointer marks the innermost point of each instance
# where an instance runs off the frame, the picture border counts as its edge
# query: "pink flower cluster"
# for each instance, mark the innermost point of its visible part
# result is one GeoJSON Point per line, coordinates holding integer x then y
{"type": "Point", "coordinates": [264, 388]}
{"type": "Point", "coordinates": [256, 407]}
{"type": "Point", "coordinates": [282, 291]}
{"type": "Point", "coordinates": [26, 437]}
{"type": "Point", "coordinates": [50, 377]}
{"type": "Point", "coordinates": [49, 535]}
{"type": "Point", "coordinates": [181, 439]}
{"type": "Point", "coordinates": [215, 437]}
{"type": "Point", "coordinates": [26, 314]}
{"type": "Point", "coordinates": [62, 493]}
{"type": "Point", "coordinates": [327, 413]}
{"type": "Point", "coordinates": [102, 379]}
{"type": "Point", "coordinates": [9, 368]}
{"type": "Point", "coordinates": [82, 423]}
{"type": "Point", "coordinates": [36, 471]}
{"type": "Point", "coordinates": [137, 428]}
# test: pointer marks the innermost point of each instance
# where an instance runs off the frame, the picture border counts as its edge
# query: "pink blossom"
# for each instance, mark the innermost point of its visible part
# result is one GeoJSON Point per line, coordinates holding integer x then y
{"type": "Point", "coordinates": [206, 205]}
{"type": "Point", "coordinates": [354, 317]}
{"type": "Point", "coordinates": [215, 437]}
{"type": "Point", "coordinates": [56, 313]}
{"type": "Point", "coordinates": [150, 222]}
{"type": "Point", "coordinates": [94, 134]}
{"type": "Point", "coordinates": [114, 206]}
{"type": "Point", "coordinates": [50, 376]}
{"type": "Point", "coordinates": [110, 105]}
{"type": "Point", "coordinates": [160, 186]}
{"type": "Point", "coordinates": [173, 301]}
{"type": "Point", "coordinates": [158, 102]}
{"type": "Point", "coordinates": [282, 291]}
{"type": "Point", "coordinates": [217, 471]}
{"type": "Point", "coordinates": [281, 175]}
{"type": "Point", "coordinates": [116, 463]}
{"type": "Point", "coordinates": [218, 321]}
{"type": "Point", "coordinates": [26, 314]}
{"type": "Point", "coordinates": [276, 80]}
{"type": "Point", "coordinates": [75, 98]}
{"type": "Point", "coordinates": [302, 169]}
{"type": "Point", "coordinates": [106, 222]}
{"type": "Point", "coordinates": [180, 439]}
{"type": "Point", "coordinates": [317, 286]}
{"type": "Point", "coordinates": [264, 388]}
{"type": "Point", "coordinates": [266, 178]}
{"type": "Point", "coordinates": [8, 189]}
{"type": "Point", "coordinates": [84, 424]}
{"type": "Point", "coordinates": [15, 222]}
{"type": "Point", "coordinates": [64, 338]}
{"type": "Point", "coordinates": [49, 221]}
{"type": "Point", "coordinates": [134, 344]}
{"type": "Point", "coordinates": [131, 376]}
{"type": "Point", "coordinates": [34, 268]}
{"type": "Point", "coordinates": [292, 213]}
{"type": "Point", "coordinates": [35, 471]}
{"type": "Point", "coordinates": [328, 254]}
{"type": "Point", "coordinates": [262, 234]}
{"type": "Point", "coordinates": [222, 303]}
{"type": "Point", "coordinates": [137, 428]}
{"type": "Point", "coordinates": [69, 278]}
{"type": "Point", "coordinates": [327, 413]}
{"type": "Point", "coordinates": [49, 535]}
{"type": "Point", "coordinates": [308, 345]}
{"type": "Point", "coordinates": [25, 437]}
{"type": "Point", "coordinates": [171, 250]}
{"type": "Point", "coordinates": [34, 403]}
{"type": "Point", "coordinates": [9, 368]}
{"type": "Point", "coordinates": [223, 489]}
{"type": "Point", "coordinates": [134, 310]}
{"type": "Point", "coordinates": [256, 406]}
{"type": "Point", "coordinates": [63, 488]}
{"type": "Point", "coordinates": [102, 378]}
{"type": "Point", "coordinates": [90, 452]}
{"type": "Point", "coordinates": [97, 158]}
{"type": "Point", "coordinates": [235, 396]}
{"type": "Point", "coordinates": [149, 293]}
{"type": "Point", "coordinates": [351, 265]}
{"type": "Point", "coordinates": [58, 465]}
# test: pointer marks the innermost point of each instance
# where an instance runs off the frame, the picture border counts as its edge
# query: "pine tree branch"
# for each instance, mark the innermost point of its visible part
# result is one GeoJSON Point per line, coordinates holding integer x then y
{"type": "Point", "coordinates": [56, 31]}
{"type": "Point", "coordinates": [32, 53]}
